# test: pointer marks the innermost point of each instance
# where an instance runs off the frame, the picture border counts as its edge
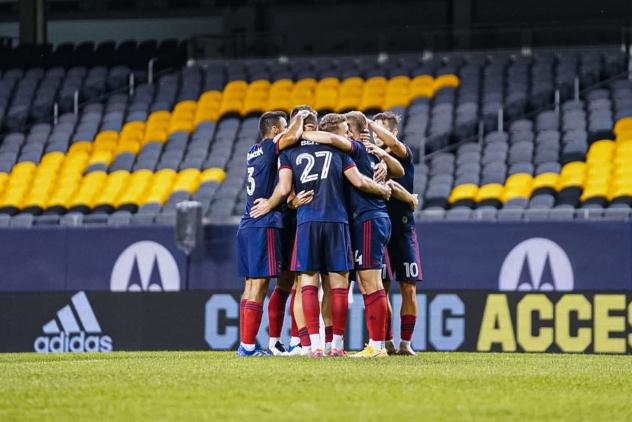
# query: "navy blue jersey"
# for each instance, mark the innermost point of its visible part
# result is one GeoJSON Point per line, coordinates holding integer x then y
{"type": "Point", "coordinates": [400, 211]}
{"type": "Point", "coordinates": [319, 168]}
{"type": "Point", "coordinates": [364, 206]}
{"type": "Point", "coordinates": [261, 169]}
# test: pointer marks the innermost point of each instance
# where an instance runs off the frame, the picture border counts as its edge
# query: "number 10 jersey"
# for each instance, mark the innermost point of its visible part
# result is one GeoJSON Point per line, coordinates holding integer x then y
{"type": "Point", "coordinates": [319, 168]}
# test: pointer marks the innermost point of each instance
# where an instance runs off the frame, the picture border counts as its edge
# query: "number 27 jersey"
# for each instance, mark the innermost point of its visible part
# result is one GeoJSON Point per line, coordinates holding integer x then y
{"type": "Point", "coordinates": [319, 168]}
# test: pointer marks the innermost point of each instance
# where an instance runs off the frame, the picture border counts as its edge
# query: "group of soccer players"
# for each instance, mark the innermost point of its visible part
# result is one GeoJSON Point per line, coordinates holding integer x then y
{"type": "Point", "coordinates": [325, 199]}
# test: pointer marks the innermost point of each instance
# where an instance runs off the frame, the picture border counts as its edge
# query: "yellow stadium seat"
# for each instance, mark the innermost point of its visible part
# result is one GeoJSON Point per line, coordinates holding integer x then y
{"type": "Point", "coordinates": [445, 81]}
{"type": "Point", "coordinates": [545, 180]}
{"type": "Point", "coordinates": [213, 174]}
{"type": "Point", "coordinates": [624, 124]}
{"type": "Point", "coordinates": [467, 191]}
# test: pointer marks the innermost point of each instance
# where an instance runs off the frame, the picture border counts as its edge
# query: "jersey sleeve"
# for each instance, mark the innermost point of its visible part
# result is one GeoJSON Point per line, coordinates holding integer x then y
{"type": "Point", "coordinates": [409, 156]}
{"type": "Point", "coordinates": [270, 148]}
{"type": "Point", "coordinates": [356, 149]}
{"type": "Point", "coordinates": [284, 161]}
{"type": "Point", "coordinates": [347, 162]}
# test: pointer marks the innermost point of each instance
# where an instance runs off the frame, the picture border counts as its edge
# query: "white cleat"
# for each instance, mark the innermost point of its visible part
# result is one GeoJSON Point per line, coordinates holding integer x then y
{"type": "Point", "coordinates": [278, 350]}
{"type": "Point", "coordinates": [299, 351]}
{"type": "Point", "coordinates": [406, 350]}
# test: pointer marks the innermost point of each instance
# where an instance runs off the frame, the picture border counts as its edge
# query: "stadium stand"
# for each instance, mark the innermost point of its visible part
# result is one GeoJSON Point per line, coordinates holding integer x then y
{"type": "Point", "coordinates": [131, 157]}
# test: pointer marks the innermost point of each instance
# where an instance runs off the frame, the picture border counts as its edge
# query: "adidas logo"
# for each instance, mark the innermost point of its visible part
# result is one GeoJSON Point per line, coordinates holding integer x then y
{"type": "Point", "coordinates": [80, 331]}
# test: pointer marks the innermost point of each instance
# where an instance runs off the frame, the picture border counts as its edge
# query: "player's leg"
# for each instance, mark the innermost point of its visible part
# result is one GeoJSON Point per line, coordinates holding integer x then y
{"type": "Point", "coordinates": [337, 260]}
{"type": "Point", "coordinates": [339, 294]}
{"type": "Point", "coordinates": [276, 311]}
{"type": "Point", "coordinates": [387, 277]}
{"type": "Point", "coordinates": [258, 249]}
{"type": "Point", "coordinates": [408, 273]}
{"type": "Point", "coordinates": [311, 310]}
{"type": "Point", "coordinates": [325, 310]}
{"type": "Point", "coordinates": [371, 238]}
{"type": "Point", "coordinates": [408, 316]}
{"type": "Point", "coordinates": [253, 311]}
{"type": "Point", "coordinates": [304, 341]}
{"type": "Point", "coordinates": [295, 340]}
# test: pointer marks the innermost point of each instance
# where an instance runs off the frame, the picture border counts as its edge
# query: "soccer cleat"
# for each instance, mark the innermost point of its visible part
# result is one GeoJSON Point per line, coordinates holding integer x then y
{"type": "Point", "coordinates": [390, 347]}
{"type": "Point", "coordinates": [337, 353]}
{"type": "Point", "coordinates": [279, 350]}
{"type": "Point", "coordinates": [327, 350]}
{"type": "Point", "coordinates": [371, 352]}
{"type": "Point", "coordinates": [257, 352]}
{"type": "Point", "coordinates": [318, 353]}
{"type": "Point", "coordinates": [294, 350]}
{"type": "Point", "coordinates": [406, 350]}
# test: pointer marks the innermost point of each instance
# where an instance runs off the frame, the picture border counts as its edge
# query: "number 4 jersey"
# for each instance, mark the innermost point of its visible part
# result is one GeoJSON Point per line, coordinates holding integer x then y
{"type": "Point", "coordinates": [319, 168]}
{"type": "Point", "coordinates": [261, 180]}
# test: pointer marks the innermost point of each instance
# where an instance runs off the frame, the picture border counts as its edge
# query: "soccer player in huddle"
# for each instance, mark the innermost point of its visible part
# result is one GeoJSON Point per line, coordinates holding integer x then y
{"type": "Point", "coordinates": [403, 247]}
{"type": "Point", "coordinates": [322, 247]}
{"type": "Point", "coordinates": [258, 264]}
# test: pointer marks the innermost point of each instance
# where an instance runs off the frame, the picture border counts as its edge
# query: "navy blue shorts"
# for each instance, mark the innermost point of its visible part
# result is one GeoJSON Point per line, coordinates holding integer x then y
{"type": "Point", "coordinates": [259, 252]}
{"type": "Point", "coordinates": [369, 239]}
{"type": "Point", "coordinates": [288, 233]}
{"type": "Point", "coordinates": [403, 249]}
{"type": "Point", "coordinates": [322, 247]}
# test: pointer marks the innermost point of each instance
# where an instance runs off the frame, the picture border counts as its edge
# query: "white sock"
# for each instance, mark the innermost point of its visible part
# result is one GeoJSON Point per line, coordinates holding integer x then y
{"type": "Point", "coordinates": [404, 343]}
{"type": "Point", "coordinates": [328, 345]}
{"type": "Point", "coordinates": [272, 342]}
{"type": "Point", "coordinates": [248, 347]}
{"type": "Point", "coordinates": [295, 341]}
{"type": "Point", "coordinates": [376, 344]}
{"type": "Point", "coordinates": [316, 343]}
{"type": "Point", "coordinates": [338, 343]}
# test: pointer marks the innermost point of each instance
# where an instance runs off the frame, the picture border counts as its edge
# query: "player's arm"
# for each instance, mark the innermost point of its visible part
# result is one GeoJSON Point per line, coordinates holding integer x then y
{"type": "Point", "coordinates": [390, 140]}
{"type": "Point", "coordinates": [393, 166]}
{"type": "Point", "coordinates": [363, 183]}
{"type": "Point", "coordinates": [400, 193]}
{"type": "Point", "coordinates": [262, 206]}
{"type": "Point", "coordinates": [326, 138]}
{"type": "Point", "coordinates": [293, 133]}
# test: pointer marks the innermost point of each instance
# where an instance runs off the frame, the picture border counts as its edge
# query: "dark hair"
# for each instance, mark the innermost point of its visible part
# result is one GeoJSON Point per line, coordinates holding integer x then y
{"type": "Point", "coordinates": [330, 122]}
{"type": "Point", "coordinates": [357, 120]}
{"type": "Point", "coordinates": [312, 118]}
{"type": "Point", "coordinates": [391, 119]}
{"type": "Point", "coordinates": [270, 119]}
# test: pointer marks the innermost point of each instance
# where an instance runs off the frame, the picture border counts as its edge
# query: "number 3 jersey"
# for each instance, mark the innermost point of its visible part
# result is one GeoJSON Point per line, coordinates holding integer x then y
{"type": "Point", "coordinates": [261, 180]}
{"type": "Point", "coordinates": [319, 168]}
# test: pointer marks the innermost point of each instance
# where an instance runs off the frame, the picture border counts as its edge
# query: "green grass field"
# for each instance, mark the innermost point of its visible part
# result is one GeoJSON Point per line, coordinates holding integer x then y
{"type": "Point", "coordinates": [218, 386]}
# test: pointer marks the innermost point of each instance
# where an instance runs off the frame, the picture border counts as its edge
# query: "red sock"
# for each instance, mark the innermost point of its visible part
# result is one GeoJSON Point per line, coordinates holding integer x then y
{"type": "Point", "coordinates": [242, 320]}
{"type": "Point", "coordinates": [375, 310]}
{"type": "Point", "coordinates": [408, 326]}
{"type": "Point", "coordinates": [311, 308]}
{"type": "Point", "coordinates": [329, 334]}
{"type": "Point", "coordinates": [293, 326]}
{"type": "Point", "coordinates": [339, 309]}
{"type": "Point", "coordinates": [304, 335]}
{"type": "Point", "coordinates": [252, 316]}
{"type": "Point", "coordinates": [276, 311]}
{"type": "Point", "coordinates": [389, 326]}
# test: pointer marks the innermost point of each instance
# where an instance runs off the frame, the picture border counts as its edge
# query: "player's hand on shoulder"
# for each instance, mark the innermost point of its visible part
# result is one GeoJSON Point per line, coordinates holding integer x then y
{"type": "Point", "coordinates": [260, 207]}
{"type": "Point", "coordinates": [414, 203]}
{"type": "Point", "coordinates": [375, 150]}
{"type": "Point", "coordinates": [302, 114]}
{"type": "Point", "coordinates": [386, 194]}
{"type": "Point", "coordinates": [302, 198]}
{"type": "Point", "coordinates": [380, 172]}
